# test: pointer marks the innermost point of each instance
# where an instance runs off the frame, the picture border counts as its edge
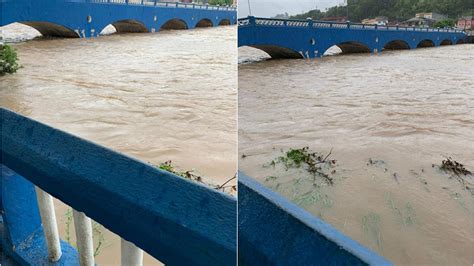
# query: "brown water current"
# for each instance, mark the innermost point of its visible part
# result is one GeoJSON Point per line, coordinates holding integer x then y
{"type": "Point", "coordinates": [387, 118]}
{"type": "Point", "coordinates": [157, 97]}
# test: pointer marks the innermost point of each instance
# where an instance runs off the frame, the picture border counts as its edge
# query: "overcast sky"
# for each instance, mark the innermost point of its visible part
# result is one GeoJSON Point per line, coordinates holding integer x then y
{"type": "Point", "coordinates": [270, 8]}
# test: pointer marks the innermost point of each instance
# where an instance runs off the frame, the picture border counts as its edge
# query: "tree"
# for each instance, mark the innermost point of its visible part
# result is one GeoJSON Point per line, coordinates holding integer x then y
{"type": "Point", "coordinates": [444, 23]}
{"type": "Point", "coordinates": [8, 59]}
{"type": "Point", "coordinates": [393, 9]}
{"type": "Point", "coordinates": [220, 2]}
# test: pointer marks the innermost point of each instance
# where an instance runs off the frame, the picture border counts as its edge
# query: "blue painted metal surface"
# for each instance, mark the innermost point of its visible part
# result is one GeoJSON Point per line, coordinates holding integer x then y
{"type": "Point", "coordinates": [177, 221]}
{"type": "Point", "coordinates": [21, 231]}
{"type": "Point", "coordinates": [273, 231]}
{"type": "Point", "coordinates": [86, 18]}
{"type": "Point", "coordinates": [282, 38]}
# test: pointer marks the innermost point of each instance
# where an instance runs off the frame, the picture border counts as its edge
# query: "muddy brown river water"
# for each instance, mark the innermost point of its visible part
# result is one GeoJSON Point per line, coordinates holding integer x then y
{"type": "Point", "coordinates": [403, 111]}
{"type": "Point", "coordinates": [157, 97]}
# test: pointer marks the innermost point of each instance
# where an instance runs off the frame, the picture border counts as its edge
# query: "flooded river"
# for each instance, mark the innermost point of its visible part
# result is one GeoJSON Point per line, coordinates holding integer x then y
{"type": "Point", "coordinates": [157, 97]}
{"type": "Point", "coordinates": [389, 119]}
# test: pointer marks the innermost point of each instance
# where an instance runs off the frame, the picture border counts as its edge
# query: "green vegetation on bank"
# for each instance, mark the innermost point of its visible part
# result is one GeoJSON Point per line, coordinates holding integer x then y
{"type": "Point", "coordinates": [8, 59]}
{"type": "Point", "coordinates": [393, 9]}
{"type": "Point", "coordinates": [220, 2]}
{"type": "Point", "coordinates": [444, 23]}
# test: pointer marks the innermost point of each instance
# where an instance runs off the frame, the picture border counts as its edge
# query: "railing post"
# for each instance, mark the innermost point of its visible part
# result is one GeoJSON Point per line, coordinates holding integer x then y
{"type": "Point", "coordinates": [83, 228]}
{"type": "Point", "coordinates": [252, 20]}
{"type": "Point", "coordinates": [131, 255]}
{"type": "Point", "coordinates": [48, 219]}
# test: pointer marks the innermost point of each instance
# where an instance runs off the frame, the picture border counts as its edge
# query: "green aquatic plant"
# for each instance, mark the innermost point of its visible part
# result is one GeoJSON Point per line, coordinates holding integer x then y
{"type": "Point", "coordinates": [8, 59]}
{"type": "Point", "coordinates": [270, 178]}
{"type": "Point", "coordinates": [313, 162]}
{"type": "Point", "coordinates": [409, 214]}
{"type": "Point", "coordinates": [68, 218]}
{"type": "Point", "coordinates": [405, 216]}
{"type": "Point", "coordinates": [98, 236]}
{"type": "Point", "coordinates": [371, 227]}
{"type": "Point", "coordinates": [97, 233]}
{"type": "Point", "coordinates": [307, 199]}
{"type": "Point", "coordinates": [313, 197]}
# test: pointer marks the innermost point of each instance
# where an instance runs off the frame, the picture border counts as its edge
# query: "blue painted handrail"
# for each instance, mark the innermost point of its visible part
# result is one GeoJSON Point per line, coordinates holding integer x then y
{"type": "Point", "coordinates": [175, 220]}
{"type": "Point", "coordinates": [274, 231]}
{"type": "Point", "coordinates": [254, 21]}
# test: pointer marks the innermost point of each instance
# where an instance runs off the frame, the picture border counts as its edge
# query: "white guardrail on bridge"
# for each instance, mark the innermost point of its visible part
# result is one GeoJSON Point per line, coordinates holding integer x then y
{"type": "Point", "coordinates": [335, 25]}
{"type": "Point", "coordinates": [161, 4]}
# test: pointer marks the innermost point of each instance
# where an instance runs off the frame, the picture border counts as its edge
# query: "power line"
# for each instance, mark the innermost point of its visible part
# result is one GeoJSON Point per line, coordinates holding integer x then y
{"type": "Point", "coordinates": [250, 10]}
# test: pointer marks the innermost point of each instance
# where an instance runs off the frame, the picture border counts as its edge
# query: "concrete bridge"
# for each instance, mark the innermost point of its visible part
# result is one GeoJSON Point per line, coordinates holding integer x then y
{"type": "Point", "coordinates": [274, 231]}
{"type": "Point", "coordinates": [87, 18]}
{"type": "Point", "coordinates": [282, 38]}
{"type": "Point", "coordinates": [175, 220]}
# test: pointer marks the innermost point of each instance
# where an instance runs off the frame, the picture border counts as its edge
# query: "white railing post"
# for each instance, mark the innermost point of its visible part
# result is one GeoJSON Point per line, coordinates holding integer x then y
{"type": "Point", "coordinates": [48, 219]}
{"type": "Point", "coordinates": [83, 228]}
{"type": "Point", "coordinates": [131, 255]}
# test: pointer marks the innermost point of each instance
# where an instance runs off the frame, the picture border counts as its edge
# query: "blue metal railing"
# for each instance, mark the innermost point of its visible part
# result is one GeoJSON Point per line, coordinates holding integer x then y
{"type": "Point", "coordinates": [308, 23]}
{"type": "Point", "coordinates": [274, 231]}
{"type": "Point", "coordinates": [159, 4]}
{"type": "Point", "coordinates": [177, 221]}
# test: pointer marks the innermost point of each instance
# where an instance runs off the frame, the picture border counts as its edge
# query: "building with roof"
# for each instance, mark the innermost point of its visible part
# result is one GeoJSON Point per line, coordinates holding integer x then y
{"type": "Point", "coordinates": [466, 23]}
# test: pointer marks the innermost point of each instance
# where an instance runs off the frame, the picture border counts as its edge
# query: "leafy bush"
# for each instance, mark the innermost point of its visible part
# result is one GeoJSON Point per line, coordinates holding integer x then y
{"type": "Point", "coordinates": [8, 59]}
{"type": "Point", "coordinates": [220, 2]}
{"type": "Point", "coordinates": [444, 23]}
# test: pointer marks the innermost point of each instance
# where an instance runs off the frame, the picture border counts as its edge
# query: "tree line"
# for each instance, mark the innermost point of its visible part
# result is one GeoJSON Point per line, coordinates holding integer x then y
{"type": "Point", "coordinates": [393, 9]}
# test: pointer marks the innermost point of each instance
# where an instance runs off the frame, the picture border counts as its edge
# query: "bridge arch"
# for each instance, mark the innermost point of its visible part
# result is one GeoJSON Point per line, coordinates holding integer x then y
{"type": "Point", "coordinates": [129, 25]}
{"type": "Point", "coordinates": [278, 52]}
{"type": "Point", "coordinates": [396, 45]}
{"type": "Point", "coordinates": [48, 29]}
{"type": "Point", "coordinates": [351, 47]}
{"type": "Point", "coordinates": [224, 22]}
{"type": "Point", "coordinates": [174, 24]}
{"type": "Point", "coordinates": [204, 23]}
{"type": "Point", "coordinates": [426, 43]}
{"type": "Point", "coordinates": [446, 42]}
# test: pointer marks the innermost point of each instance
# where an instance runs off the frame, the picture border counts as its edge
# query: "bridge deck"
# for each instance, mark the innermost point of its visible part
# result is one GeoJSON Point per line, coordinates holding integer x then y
{"type": "Point", "coordinates": [87, 18]}
{"type": "Point", "coordinates": [175, 220]}
{"type": "Point", "coordinates": [282, 38]}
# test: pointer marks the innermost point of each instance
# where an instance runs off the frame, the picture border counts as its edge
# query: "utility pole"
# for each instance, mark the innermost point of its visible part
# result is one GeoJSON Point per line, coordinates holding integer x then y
{"type": "Point", "coordinates": [347, 9]}
{"type": "Point", "coordinates": [250, 10]}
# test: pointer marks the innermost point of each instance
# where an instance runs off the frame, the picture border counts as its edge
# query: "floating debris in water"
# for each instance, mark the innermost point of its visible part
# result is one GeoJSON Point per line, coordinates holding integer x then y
{"type": "Point", "coordinates": [450, 165]}
{"type": "Point", "coordinates": [169, 167]}
{"type": "Point", "coordinates": [316, 164]}
{"type": "Point", "coordinates": [459, 172]}
{"type": "Point", "coordinates": [270, 178]}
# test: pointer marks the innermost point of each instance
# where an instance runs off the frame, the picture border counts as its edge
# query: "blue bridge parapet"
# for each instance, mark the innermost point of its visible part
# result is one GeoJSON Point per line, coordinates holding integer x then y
{"type": "Point", "coordinates": [274, 231]}
{"type": "Point", "coordinates": [287, 38]}
{"type": "Point", "coordinates": [87, 18]}
{"type": "Point", "coordinates": [177, 221]}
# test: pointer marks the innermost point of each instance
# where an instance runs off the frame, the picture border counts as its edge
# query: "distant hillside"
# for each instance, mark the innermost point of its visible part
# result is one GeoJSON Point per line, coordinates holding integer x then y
{"type": "Point", "coordinates": [394, 9]}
